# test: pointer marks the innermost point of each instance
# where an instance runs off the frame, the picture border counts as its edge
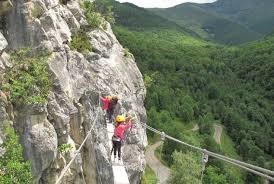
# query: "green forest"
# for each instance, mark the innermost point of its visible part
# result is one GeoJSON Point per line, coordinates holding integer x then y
{"type": "Point", "coordinates": [193, 82]}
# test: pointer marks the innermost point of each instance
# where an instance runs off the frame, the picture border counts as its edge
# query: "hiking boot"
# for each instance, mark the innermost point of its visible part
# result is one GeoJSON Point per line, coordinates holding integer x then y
{"type": "Point", "coordinates": [120, 161]}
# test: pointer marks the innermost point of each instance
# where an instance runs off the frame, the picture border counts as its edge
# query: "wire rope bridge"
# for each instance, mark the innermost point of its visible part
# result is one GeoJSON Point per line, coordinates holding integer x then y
{"type": "Point", "coordinates": [119, 171]}
{"type": "Point", "coordinates": [265, 173]}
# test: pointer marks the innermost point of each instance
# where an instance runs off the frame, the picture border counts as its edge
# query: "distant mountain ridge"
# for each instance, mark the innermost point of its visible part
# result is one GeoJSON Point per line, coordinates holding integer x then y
{"type": "Point", "coordinates": [224, 21]}
{"type": "Point", "coordinates": [136, 18]}
{"type": "Point", "coordinates": [258, 15]}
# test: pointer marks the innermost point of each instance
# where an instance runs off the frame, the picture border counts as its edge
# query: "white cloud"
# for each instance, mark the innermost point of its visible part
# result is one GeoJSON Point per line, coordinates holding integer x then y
{"type": "Point", "coordinates": [162, 3]}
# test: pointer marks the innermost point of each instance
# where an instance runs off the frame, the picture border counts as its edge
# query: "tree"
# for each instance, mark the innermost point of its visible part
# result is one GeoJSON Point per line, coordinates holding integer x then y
{"type": "Point", "coordinates": [185, 169]}
{"type": "Point", "coordinates": [104, 7]}
{"type": "Point", "coordinates": [13, 168]}
{"type": "Point", "coordinates": [213, 175]}
{"type": "Point", "coordinates": [205, 124]}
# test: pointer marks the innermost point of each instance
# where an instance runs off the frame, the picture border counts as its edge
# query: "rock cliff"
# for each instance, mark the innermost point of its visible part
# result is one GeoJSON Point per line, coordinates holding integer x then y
{"type": "Point", "coordinates": [73, 102]}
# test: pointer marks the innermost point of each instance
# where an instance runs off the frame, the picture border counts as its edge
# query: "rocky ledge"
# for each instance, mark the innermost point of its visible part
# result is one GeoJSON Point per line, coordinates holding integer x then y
{"type": "Point", "coordinates": [78, 81]}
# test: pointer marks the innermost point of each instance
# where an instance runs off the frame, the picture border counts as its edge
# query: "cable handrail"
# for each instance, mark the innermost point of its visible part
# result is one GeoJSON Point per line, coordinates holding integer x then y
{"type": "Point", "coordinates": [77, 152]}
{"type": "Point", "coordinates": [249, 167]}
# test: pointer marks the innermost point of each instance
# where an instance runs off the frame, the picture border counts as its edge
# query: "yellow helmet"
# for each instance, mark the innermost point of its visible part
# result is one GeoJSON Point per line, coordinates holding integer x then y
{"type": "Point", "coordinates": [120, 119]}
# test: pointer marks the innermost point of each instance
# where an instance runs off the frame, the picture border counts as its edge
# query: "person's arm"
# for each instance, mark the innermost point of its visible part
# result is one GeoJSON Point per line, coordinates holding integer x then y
{"type": "Point", "coordinates": [103, 99]}
{"type": "Point", "coordinates": [105, 102]}
{"type": "Point", "coordinates": [128, 125]}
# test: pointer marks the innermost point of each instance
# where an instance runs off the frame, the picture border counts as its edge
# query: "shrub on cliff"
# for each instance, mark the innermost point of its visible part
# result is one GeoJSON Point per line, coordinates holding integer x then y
{"type": "Point", "coordinates": [28, 80]}
{"type": "Point", "coordinates": [13, 168]}
{"type": "Point", "coordinates": [80, 42]}
{"type": "Point", "coordinates": [97, 11]}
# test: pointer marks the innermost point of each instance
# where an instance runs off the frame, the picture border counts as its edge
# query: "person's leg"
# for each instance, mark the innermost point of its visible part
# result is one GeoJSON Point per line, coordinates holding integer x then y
{"type": "Point", "coordinates": [119, 145]}
{"type": "Point", "coordinates": [112, 149]}
{"type": "Point", "coordinates": [109, 115]}
{"type": "Point", "coordinates": [115, 148]}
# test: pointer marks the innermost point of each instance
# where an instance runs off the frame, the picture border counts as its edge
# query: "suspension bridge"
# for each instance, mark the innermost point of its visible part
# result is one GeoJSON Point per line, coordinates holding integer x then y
{"type": "Point", "coordinates": [120, 174]}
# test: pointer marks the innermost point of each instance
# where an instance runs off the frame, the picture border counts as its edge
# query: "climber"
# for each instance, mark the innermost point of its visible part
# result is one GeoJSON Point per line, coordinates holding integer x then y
{"type": "Point", "coordinates": [109, 104]}
{"type": "Point", "coordinates": [122, 125]}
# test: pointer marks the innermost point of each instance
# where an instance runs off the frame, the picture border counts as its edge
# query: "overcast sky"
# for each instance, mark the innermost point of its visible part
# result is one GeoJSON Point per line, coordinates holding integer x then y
{"type": "Point", "coordinates": [162, 3]}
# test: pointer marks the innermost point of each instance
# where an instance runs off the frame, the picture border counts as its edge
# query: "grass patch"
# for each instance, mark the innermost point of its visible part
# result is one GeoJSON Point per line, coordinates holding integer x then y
{"type": "Point", "coordinates": [153, 138]}
{"type": "Point", "coordinates": [149, 176]}
{"type": "Point", "coordinates": [227, 147]}
{"type": "Point", "coordinates": [80, 42]}
{"type": "Point", "coordinates": [28, 80]}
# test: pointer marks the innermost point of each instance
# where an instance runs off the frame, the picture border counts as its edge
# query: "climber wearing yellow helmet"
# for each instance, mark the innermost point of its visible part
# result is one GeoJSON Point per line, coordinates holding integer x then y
{"type": "Point", "coordinates": [122, 125]}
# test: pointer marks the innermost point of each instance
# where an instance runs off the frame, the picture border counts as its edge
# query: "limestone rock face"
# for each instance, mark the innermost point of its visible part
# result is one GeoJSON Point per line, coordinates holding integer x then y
{"type": "Point", "coordinates": [38, 138]}
{"type": "Point", "coordinates": [3, 43]}
{"type": "Point", "coordinates": [73, 106]}
{"type": "Point", "coordinates": [3, 117]}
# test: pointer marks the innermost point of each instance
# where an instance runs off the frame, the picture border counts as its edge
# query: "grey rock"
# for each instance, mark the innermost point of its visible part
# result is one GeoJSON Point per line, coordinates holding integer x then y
{"type": "Point", "coordinates": [92, 57]}
{"type": "Point", "coordinates": [56, 28]}
{"type": "Point", "coordinates": [74, 100]}
{"type": "Point", "coordinates": [3, 43]}
{"type": "Point", "coordinates": [38, 138]}
{"type": "Point", "coordinates": [50, 3]}
{"type": "Point", "coordinates": [75, 9]}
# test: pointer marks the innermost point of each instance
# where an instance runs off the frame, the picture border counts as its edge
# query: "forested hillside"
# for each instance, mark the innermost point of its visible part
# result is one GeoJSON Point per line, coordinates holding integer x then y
{"type": "Point", "coordinates": [191, 82]}
{"type": "Point", "coordinates": [140, 19]}
{"type": "Point", "coordinates": [257, 15]}
{"type": "Point", "coordinates": [208, 24]}
{"type": "Point", "coordinates": [224, 21]}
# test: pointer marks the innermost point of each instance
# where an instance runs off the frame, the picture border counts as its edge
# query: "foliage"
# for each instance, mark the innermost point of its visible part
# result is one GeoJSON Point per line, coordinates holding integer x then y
{"type": "Point", "coordinates": [209, 25]}
{"type": "Point", "coordinates": [13, 168]}
{"type": "Point", "coordinates": [126, 52]}
{"type": "Point", "coordinates": [64, 148]}
{"type": "Point", "coordinates": [28, 80]}
{"type": "Point", "coordinates": [149, 176]}
{"type": "Point", "coordinates": [158, 155]}
{"type": "Point", "coordinates": [213, 175]}
{"type": "Point", "coordinates": [236, 11]}
{"type": "Point", "coordinates": [190, 81]}
{"type": "Point", "coordinates": [97, 11]}
{"type": "Point", "coordinates": [80, 42]}
{"type": "Point", "coordinates": [94, 19]}
{"type": "Point", "coordinates": [180, 174]}
{"type": "Point", "coordinates": [104, 7]}
{"type": "Point", "coordinates": [36, 11]}
{"type": "Point", "coordinates": [137, 18]}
